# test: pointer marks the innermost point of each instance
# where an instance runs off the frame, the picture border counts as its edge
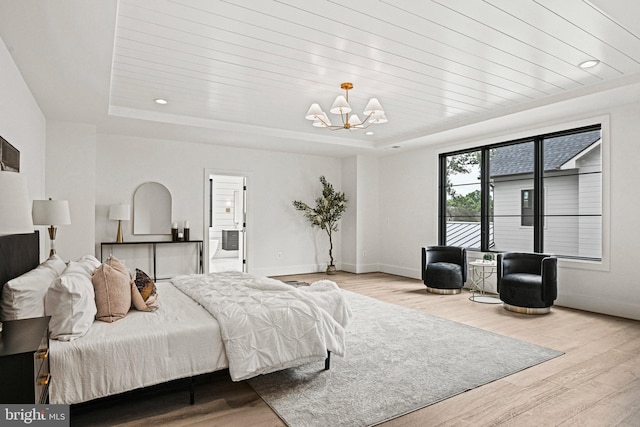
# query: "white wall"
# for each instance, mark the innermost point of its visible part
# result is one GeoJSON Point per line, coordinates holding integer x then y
{"type": "Point", "coordinates": [23, 125]}
{"type": "Point", "coordinates": [275, 179]}
{"type": "Point", "coordinates": [408, 209]}
{"type": "Point", "coordinates": [409, 179]}
{"type": "Point", "coordinates": [360, 247]}
{"type": "Point", "coordinates": [71, 175]}
{"type": "Point", "coordinates": [349, 222]}
{"type": "Point", "coordinates": [368, 254]}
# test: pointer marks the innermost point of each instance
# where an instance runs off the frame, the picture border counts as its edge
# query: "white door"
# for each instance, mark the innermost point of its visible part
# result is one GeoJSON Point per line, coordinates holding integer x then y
{"type": "Point", "coordinates": [227, 223]}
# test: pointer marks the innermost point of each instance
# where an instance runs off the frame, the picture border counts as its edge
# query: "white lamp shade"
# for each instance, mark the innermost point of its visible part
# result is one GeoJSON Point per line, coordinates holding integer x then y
{"type": "Point", "coordinates": [15, 217]}
{"type": "Point", "coordinates": [119, 212]}
{"type": "Point", "coordinates": [322, 121]}
{"type": "Point", "coordinates": [51, 212]}
{"type": "Point", "coordinates": [314, 112]}
{"type": "Point", "coordinates": [378, 118]}
{"type": "Point", "coordinates": [355, 121]}
{"type": "Point", "coordinates": [340, 105]}
{"type": "Point", "coordinates": [373, 107]}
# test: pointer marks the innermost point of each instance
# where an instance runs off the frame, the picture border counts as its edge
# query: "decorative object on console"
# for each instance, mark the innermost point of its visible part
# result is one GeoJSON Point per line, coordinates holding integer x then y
{"type": "Point", "coordinates": [373, 112]}
{"type": "Point", "coordinates": [51, 213]}
{"type": "Point", "coordinates": [119, 213]}
{"type": "Point", "coordinates": [186, 231]}
{"type": "Point", "coordinates": [174, 232]}
{"type": "Point", "coordinates": [329, 209]}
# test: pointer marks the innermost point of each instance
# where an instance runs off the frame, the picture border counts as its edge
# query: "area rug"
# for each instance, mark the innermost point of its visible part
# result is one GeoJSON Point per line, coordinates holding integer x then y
{"type": "Point", "coordinates": [398, 360]}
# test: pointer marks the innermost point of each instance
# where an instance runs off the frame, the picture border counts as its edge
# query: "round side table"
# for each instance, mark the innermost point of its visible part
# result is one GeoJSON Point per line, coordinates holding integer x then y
{"type": "Point", "coordinates": [480, 271]}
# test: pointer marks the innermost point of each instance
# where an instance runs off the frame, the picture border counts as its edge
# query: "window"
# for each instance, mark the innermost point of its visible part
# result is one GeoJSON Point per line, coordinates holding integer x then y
{"type": "Point", "coordinates": [537, 194]}
{"type": "Point", "coordinates": [526, 208]}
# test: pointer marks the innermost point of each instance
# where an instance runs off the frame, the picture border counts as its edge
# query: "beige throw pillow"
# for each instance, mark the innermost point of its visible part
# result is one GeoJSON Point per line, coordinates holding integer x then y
{"type": "Point", "coordinates": [112, 287]}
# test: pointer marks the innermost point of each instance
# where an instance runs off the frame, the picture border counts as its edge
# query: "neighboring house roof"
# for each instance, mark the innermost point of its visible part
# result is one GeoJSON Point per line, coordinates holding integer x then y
{"type": "Point", "coordinates": [518, 158]}
{"type": "Point", "coordinates": [466, 234]}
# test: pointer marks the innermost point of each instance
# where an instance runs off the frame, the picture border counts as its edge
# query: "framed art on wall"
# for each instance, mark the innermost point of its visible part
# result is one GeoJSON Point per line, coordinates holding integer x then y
{"type": "Point", "coordinates": [9, 156]}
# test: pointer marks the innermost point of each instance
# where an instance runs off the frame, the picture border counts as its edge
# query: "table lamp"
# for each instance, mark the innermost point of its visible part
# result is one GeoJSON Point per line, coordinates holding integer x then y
{"type": "Point", "coordinates": [51, 213]}
{"type": "Point", "coordinates": [119, 213]}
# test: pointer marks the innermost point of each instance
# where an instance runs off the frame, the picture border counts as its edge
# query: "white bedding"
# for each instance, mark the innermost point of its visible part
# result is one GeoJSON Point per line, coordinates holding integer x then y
{"type": "Point", "coordinates": [178, 340]}
{"type": "Point", "coordinates": [267, 325]}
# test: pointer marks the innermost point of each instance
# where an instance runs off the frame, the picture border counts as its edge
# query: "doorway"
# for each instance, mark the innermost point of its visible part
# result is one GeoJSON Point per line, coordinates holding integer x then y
{"type": "Point", "coordinates": [227, 223]}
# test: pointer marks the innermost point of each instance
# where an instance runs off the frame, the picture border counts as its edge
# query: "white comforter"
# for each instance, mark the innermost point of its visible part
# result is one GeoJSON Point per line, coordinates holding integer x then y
{"type": "Point", "coordinates": [267, 325]}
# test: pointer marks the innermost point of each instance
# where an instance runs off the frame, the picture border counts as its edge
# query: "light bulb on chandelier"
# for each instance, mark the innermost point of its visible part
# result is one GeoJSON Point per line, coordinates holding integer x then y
{"type": "Point", "coordinates": [373, 112]}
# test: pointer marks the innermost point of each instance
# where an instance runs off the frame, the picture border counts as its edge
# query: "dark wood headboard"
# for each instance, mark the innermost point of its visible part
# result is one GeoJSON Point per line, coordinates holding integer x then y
{"type": "Point", "coordinates": [19, 253]}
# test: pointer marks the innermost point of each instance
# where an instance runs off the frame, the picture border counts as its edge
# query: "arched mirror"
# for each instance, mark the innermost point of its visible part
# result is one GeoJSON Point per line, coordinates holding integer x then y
{"type": "Point", "coordinates": [152, 209]}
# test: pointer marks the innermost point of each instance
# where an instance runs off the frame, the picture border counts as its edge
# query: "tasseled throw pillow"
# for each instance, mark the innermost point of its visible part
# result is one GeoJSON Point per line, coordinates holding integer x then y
{"type": "Point", "coordinates": [144, 295]}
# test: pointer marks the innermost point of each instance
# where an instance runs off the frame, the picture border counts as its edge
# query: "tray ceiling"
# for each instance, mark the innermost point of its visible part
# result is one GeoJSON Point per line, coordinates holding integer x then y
{"type": "Point", "coordinates": [254, 67]}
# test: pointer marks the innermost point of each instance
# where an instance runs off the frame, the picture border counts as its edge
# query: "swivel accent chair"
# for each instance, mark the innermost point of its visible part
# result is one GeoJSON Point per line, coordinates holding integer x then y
{"type": "Point", "coordinates": [444, 269]}
{"type": "Point", "coordinates": [527, 282]}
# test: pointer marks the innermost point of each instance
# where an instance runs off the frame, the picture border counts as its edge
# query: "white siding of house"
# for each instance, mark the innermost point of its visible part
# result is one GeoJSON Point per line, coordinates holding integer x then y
{"type": "Point", "coordinates": [561, 198]}
{"type": "Point", "coordinates": [508, 233]}
{"type": "Point", "coordinates": [566, 197]}
{"type": "Point", "coordinates": [590, 197]}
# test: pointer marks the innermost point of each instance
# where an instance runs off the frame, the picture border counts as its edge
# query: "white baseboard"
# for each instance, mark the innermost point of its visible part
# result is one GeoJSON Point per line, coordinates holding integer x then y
{"type": "Point", "coordinates": [400, 271]}
{"type": "Point", "coordinates": [598, 305]}
{"type": "Point", "coordinates": [360, 268]}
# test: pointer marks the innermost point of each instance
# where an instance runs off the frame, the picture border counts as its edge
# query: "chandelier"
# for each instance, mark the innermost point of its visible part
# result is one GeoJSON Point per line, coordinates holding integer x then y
{"type": "Point", "coordinates": [373, 112]}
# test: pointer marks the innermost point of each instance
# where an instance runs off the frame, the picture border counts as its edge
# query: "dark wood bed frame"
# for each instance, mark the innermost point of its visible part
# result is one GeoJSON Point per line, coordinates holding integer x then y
{"type": "Point", "coordinates": [19, 253]}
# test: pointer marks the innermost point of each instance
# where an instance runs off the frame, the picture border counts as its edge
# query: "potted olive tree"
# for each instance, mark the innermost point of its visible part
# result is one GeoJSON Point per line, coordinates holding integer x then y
{"type": "Point", "coordinates": [326, 214]}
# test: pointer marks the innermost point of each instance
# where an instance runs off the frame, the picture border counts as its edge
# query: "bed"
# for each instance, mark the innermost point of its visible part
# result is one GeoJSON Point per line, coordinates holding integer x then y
{"type": "Point", "coordinates": [202, 324]}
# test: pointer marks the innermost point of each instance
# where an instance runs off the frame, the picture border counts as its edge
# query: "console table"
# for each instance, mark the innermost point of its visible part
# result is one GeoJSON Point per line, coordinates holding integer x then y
{"type": "Point", "coordinates": [199, 254]}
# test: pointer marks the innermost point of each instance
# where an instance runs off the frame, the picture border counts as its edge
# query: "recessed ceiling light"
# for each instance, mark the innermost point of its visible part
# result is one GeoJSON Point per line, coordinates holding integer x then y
{"type": "Point", "coordinates": [369, 132]}
{"type": "Point", "coordinates": [589, 63]}
{"type": "Point", "coordinates": [160, 101]}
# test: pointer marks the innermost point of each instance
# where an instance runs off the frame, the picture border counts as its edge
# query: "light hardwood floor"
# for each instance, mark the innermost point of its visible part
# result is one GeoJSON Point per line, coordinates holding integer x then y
{"type": "Point", "coordinates": [595, 383]}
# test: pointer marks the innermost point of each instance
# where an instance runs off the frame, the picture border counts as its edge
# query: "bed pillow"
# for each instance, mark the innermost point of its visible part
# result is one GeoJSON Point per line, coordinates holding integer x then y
{"type": "Point", "coordinates": [71, 303]}
{"type": "Point", "coordinates": [23, 297]}
{"type": "Point", "coordinates": [112, 287]}
{"type": "Point", "coordinates": [89, 263]}
{"type": "Point", "coordinates": [144, 294]}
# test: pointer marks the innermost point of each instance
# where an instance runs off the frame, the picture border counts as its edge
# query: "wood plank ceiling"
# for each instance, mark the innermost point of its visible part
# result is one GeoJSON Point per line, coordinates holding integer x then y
{"type": "Point", "coordinates": [262, 63]}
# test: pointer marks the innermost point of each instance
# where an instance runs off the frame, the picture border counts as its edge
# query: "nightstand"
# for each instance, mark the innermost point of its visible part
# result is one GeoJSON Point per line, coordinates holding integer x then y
{"type": "Point", "coordinates": [24, 361]}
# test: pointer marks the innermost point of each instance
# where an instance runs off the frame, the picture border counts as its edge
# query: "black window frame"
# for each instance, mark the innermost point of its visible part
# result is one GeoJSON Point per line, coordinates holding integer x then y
{"type": "Point", "coordinates": [485, 183]}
